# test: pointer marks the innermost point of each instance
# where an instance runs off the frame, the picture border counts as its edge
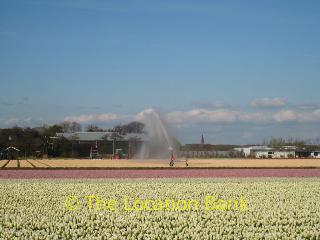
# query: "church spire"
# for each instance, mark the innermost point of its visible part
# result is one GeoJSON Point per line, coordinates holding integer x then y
{"type": "Point", "coordinates": [202, 140]}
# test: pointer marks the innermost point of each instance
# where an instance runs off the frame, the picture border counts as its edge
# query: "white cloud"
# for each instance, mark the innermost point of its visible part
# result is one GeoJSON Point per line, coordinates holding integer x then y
{"type": "Point", "coordinates": [182, 119]}
{"type": "Point", "coordinates": [289, 115]}
{"type": "Point", "coordinates": [23, 122]}
{"type": "Point", "coordinates": [285, 116]}
{"type": "Point", "coordinates": [210, 105]}
{"type": "Point", "coordinates": [268, 102]}
{"type": "Point", "coordinates": [217, 116]}
{"type": "Point", "coordinates": [310, 106]}
{"type": "Point", "coordinates": [11, 121]}
{"type": "Point", "coordinates": [96, 118]}
{"type": "Point", "coordinates": [198, 116]}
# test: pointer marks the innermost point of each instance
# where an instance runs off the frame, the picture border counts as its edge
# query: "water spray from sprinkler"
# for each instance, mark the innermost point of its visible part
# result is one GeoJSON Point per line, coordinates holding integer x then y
{"type": "Point", "coordinates": [159, 143]}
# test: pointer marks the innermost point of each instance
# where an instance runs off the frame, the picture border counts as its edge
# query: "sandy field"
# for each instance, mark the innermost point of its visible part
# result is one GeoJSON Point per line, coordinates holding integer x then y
{"type": "Point", "coordinates": [158, 163]}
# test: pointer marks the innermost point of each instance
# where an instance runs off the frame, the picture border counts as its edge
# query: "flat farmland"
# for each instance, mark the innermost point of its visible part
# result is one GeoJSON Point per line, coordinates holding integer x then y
{"type": "Point", "coordinates": [11, 164]}
{"type": "Point", "coordinates": [58, 208]}
{"type": "Point", "coordinates": [159, 173]}
{"type": "Point", "coordinates": [161, 163]}
{"type": "Point", "coordinates": [3, 163]}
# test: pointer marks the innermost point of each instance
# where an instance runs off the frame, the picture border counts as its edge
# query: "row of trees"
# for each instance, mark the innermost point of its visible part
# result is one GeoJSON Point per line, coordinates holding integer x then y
{"type": "Point", "coordinates": [310, 144]}
{"type": "Point", "coordinates": [31, 140]}
{"type": "Point", "coordinates": [132, 127]}
{"type": "Point", "coordinates": [273, 142]}
{"type": "Point", "coordinates": [281, 142]}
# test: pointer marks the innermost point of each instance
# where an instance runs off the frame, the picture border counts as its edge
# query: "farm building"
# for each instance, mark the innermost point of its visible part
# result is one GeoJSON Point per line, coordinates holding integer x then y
{"type": "Point", "coordinates": [247, 151]}
{"type": "Point", "coordinates": [272, 153]}
{"type": "Point", "coordinates": [203, 150]}
{"type": "Point", "coordinates": [315, 154]}
{"type": "Point", "coordinates": [307, 154]}
{"type": "Point", "coordinates": [97, 144]}
{"type": "Point", "coordinates": [285, 152]}
{"type": "Point", "coordinates": [9, 153]}
{"type": "Point", "coordinates": [209, 154]}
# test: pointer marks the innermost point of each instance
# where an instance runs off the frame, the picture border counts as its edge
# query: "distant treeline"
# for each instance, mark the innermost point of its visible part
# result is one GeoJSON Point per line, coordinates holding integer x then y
{"type": "Point", "coordinates": [208, 147]}
{"type": "Point", "coordinates": [273, 143]}
{"type": "Point", "coordinates": [31, 141]}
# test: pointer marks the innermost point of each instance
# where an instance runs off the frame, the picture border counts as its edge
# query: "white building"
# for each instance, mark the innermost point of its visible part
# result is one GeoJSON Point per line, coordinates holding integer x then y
{"type": "Point", "coordinates": [247, 150]}
{"type": "Point", "coordinates": [273, 153]}
{"type": "Point", "coordinates": [307, 154]}
{"type": "Point", "coordinates": [315, 154]}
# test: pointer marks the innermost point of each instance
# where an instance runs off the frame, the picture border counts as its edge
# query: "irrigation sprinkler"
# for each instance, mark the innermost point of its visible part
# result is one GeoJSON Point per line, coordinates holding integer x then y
{"type": "Point", "coordinates": [173, 159]}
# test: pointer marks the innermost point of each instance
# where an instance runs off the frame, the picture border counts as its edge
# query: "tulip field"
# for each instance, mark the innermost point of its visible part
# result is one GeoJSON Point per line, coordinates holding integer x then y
{"type": "Point", "coordinates": [275, 208]}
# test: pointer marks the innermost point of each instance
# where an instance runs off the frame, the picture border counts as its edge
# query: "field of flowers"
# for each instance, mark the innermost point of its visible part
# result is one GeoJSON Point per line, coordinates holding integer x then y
{"type": "Point", "coordinates": [59, 209]}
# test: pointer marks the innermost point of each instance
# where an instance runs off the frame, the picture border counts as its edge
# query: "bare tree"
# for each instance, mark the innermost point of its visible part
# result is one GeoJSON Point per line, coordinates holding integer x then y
{"type": "Point", "coordinates": [94, 128]}
{"type": "Point", "coordinates": [70, 127]}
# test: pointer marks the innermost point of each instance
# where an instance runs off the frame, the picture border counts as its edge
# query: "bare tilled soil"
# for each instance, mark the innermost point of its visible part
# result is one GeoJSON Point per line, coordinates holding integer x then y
{"type": "Point", "coordinates": [160, 163]}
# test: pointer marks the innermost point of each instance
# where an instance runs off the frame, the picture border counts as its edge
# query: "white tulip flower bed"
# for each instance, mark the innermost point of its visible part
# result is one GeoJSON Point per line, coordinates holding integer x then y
{"type": "Point", "coordinates": [276, 209]}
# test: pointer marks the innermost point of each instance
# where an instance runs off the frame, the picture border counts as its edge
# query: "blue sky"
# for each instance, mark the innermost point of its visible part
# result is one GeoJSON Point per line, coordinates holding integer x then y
{"type": "Point", "coordinates": [239, 71]}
